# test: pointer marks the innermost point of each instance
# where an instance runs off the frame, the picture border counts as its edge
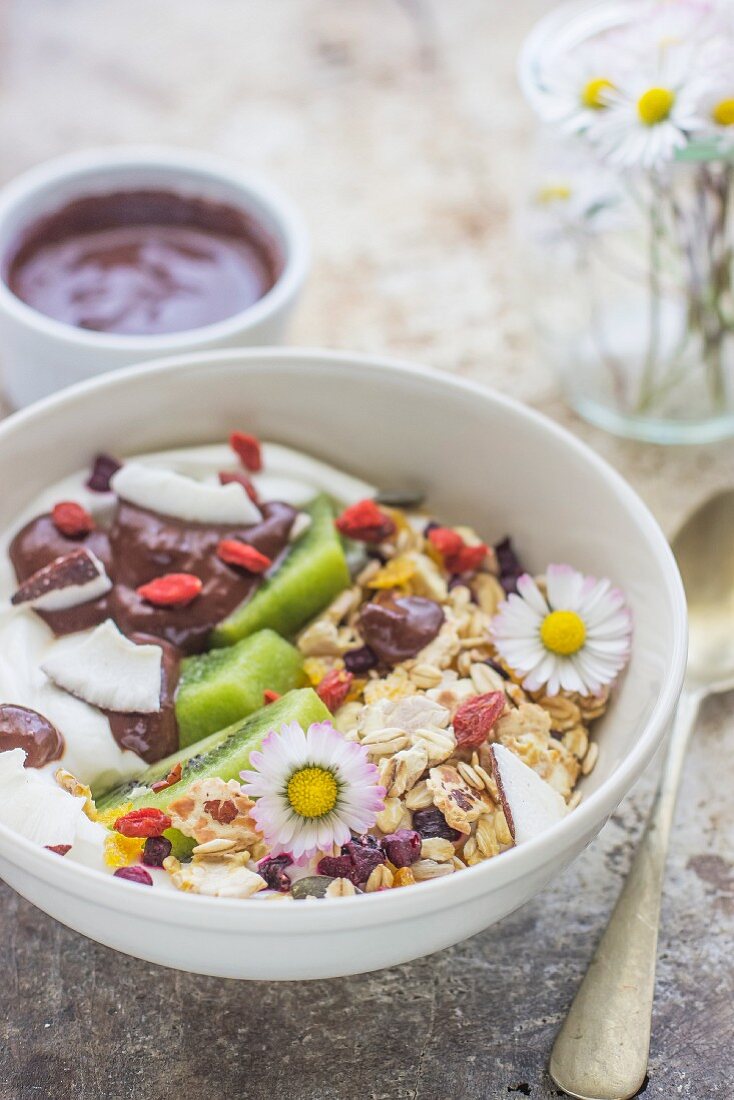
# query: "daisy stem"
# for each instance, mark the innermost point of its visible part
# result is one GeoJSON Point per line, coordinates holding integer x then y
{"type": "Point", "coordinates": [647, 385]}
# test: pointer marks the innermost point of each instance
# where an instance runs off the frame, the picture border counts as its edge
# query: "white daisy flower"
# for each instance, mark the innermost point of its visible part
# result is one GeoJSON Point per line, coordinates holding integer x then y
{"type": "Point", "coordinates": [576, 638]}
{"type": "Point", "coordinates": [313, 789]}
{"type": "Point", "coordinates": [578, 86]}
{"type": "Point", "coordinates": [653, 116]}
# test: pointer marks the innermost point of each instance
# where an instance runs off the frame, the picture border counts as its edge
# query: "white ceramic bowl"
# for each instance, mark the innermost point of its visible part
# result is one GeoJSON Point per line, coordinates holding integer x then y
{"type": "Point", "coordinates": [483, 459]}
{"type": "Point", "coordinates": [40, 355]}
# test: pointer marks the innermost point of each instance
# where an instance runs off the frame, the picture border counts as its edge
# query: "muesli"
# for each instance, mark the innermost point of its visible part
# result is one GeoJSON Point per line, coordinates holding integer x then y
{"type": "Point", "coordinates": [236, 671]}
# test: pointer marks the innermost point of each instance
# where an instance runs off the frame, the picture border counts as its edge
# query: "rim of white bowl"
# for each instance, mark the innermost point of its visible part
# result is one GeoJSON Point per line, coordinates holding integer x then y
{"type": "Point", "coordinates": [257, 195]}
{"type": "Point", "coordinates": [228, 914]}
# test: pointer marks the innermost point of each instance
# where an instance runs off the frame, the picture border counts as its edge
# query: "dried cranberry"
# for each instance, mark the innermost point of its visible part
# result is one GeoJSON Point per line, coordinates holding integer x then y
{"type": "Point", "coordinates": [103, 469]}
{"type": "Point", "coordinates": [431, 822]}
{"type": "Point", "coordinates": [157, 848]}
{"type": "Point", "coordinates": [446, 541]}
{"type": "Point", "coordinates": [134, 874]}
{"type": "Point", "coordinates": [358, 859]}
{"type": "Point", "coordinates": [510, 566]}
{"type": "Point", "coordinates": [272, 869]}
{"type": "Point", "coordinates": [336, 867]}
{"type": "Point", "coordinates": [360, 660]}
{"type": "Point", "coordinates": [365, 853]}
{"type": "Point", "coordinates": [59, 849]}
{"type": "Point", "coordinates": [402, 848]}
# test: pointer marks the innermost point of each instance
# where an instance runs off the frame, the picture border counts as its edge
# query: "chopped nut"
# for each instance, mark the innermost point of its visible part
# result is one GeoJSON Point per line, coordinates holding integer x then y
{"type": "Point", "coordinates": [576, 741]}
{"type": "Point", "coordinates": [502, 829]}
{"type": "Point", "coordinates": [590, 759]}
{"type": "Point", "coordinates": [458, 803]}
{"type": "Point", "coordinates": [489, 592]}
{"type": "Point", "coordinates": [225, 876]}
{"type": "Point", "coordinates": [212, 809]}
{"type": "Point", "coordinates": [388, 820]}
{"type": "Point", "coordinates": [211, 847]}
{"type": "Point", "coordinates": [403, 770]}
{"type": "Point", "coordinates": [486, 838]}
{"type": "Point", "coordinates": [439, 744]}
{"type": "Point", "coordinates": [485, 679]}
{"type": "Point", "coordinates": [320, 639]}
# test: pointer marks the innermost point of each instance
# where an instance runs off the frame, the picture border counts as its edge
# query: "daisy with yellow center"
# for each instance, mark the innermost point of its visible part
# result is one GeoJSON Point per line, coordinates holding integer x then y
{"type": "Point", "coordinates": [722, 113]}
{"type": "Point", "coordinates": [312, 788]}
{"type": "Point", "coordinates": [574, 637]}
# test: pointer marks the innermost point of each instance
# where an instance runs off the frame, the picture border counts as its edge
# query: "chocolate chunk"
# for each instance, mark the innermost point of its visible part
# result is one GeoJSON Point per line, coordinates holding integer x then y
{"type": "Point", "coordinates": [77, 569]}
{"type": "Point", "coordinates": [22, 728]}
{"type": "Point", "coordinates": [397, 629]}
{"type": "Point", "coordinates": [105, 466]}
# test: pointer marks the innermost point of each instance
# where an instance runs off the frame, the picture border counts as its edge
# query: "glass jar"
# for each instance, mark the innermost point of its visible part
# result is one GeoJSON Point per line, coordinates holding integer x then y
{"type": "Point", "coordinates": [630, 272]}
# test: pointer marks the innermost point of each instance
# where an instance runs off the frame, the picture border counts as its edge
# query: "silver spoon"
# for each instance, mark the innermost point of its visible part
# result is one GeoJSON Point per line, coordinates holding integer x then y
{"type": "Point", "coordinates": [602, 1049]}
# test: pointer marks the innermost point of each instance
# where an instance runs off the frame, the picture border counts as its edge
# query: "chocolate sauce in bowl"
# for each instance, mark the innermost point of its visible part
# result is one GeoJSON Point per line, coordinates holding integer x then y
{"type": "Point", "coordinates": [23, 728]}
{"type": "Point", "coordinates": [146, 545]}
{"type": "Point", "coordinates": [143, 263]}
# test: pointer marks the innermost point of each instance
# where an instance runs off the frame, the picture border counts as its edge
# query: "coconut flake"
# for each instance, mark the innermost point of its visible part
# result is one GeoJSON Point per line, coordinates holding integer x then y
{"type": "Point", "coordinates": [172, 494]}
{"type": "Point", "coordinates": [106, 669]}
{"type": "Point", "coordinates": [35, 807]}
{"type": "Point", "coordinates": [531, 805]}
{"type": "Point", "coordinates": [72, 579]}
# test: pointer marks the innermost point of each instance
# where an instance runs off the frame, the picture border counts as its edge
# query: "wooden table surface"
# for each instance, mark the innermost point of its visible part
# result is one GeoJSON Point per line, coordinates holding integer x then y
{"type": "Point", "coordinates": [398, 128]}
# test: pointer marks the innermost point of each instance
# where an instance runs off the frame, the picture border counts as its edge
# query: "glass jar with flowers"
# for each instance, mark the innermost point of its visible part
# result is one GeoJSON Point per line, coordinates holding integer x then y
{"type": "Point", "coordinates": [629, 226]}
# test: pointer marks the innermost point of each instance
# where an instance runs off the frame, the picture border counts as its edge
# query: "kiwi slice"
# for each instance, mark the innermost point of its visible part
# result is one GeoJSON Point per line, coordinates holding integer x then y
{"type": "Point", "coordinates": [313, 572]}
{"type": "Point", "coordinates": [226, 685]}
{"type": "Point", "coordinates": [222, 754]}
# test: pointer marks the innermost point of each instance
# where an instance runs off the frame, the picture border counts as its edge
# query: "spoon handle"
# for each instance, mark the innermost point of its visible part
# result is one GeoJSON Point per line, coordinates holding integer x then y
{"type": "Point", "coordinates": [602, 1050]}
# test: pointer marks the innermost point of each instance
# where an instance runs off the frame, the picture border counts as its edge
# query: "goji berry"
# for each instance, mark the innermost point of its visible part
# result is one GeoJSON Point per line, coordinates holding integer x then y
{"type": "Point", "coordinates": [474, 720]}
{"type": "Point", "coordinates": [171, 590]}
{"type": "Point", "coordinates": [270, 696]}
{"type": "Point", "coordinates": [145, 822]}
{"type": "Point", "coordinates": [173, 777]}
{"type": "Point", "coordinates": [244, 556]}
{"type": "Point", "coordinates": [226, 477]}
{"type": "Point", "coordinates": [70, 519]}
{"type": "Point", "coordinates": [468, 559]}
{"type": "Point", "coordinates": [365, 522]}
{"type": "Point", "coordinates": [248, 450]}
{"type": "Point", "coordinates": [334, 688]}
{"type": "Point", "coordinates": [446, 541]}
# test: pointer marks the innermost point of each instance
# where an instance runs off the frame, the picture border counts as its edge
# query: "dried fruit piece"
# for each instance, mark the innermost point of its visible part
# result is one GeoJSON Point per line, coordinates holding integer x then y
{"type": "Point", "coordinates": [475, 719]}
{"type": "Point", "coordinates": [365, 522]}
{"type": "Point", "coordinates": [226, 477]}
{"type": "Point", "coordinates": [314, 886]}
{"type": "Point", "coordinates": [173, 777]}
{"type": "Point", "coordinates": [358, 858]}
{"type": "Point", "coordinates": [134, 874]}
{"type": "Point", "coordinates": [244, 556]}
{"type": "Point", "coordinates": [468, 559]}
{"type": "Point", "coordinates": [360, 660]}
{"type": "Point", "coordinates": [121, 850]}
{"type": "Point", "coordinates": [402, 848]}
{"type": "Point", "coordinates": [394, 574]}
{"type": "Point", "coordinates": [145, 822]}
{"type": "Point", "coordinates": [445, 540]}
{"type": "Point", "coordinates": [431, 822]}
{"type": "Point", "coordinates": [70, 519]}
{"type": "Point", "coordinates": [272, 869]}
{"type": "Point", "coordinates": [171, 590]}
{"type": "Point", "coordinates": [398, 629]}
{"type": "Point", "coordinates": [60, 849]}
{"type": "Point", "coordinates": [403, 877]}
{"type": "Point", "coordinates": [510, 566]}
{"type": "Point", "coordinates": [248, 449]}
{"type": "Point", "coordinates": [103, 469]}
{"type": "Point", "coordinates": [157, 848]}
{"type": "Point", "coordinates": [270, 697]}
{"type": "Point", "coordinates": [334, 688]}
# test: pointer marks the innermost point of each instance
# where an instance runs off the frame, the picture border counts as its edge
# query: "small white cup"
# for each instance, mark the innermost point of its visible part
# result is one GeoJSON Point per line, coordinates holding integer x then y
{"type": "Point", "coordinates": [41, 355]}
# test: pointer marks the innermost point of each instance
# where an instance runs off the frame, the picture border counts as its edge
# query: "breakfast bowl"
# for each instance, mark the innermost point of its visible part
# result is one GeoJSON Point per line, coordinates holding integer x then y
{"type": "Point", "coordinates": [479, 458]}
{"type": "Point", "coordinates": [85, 288]}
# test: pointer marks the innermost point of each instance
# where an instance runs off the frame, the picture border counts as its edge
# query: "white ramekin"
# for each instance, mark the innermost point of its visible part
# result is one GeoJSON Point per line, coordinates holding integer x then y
{"type": "Point", "coordinates": [483, 459]}
{"type": "Point", "coordinates": [40, 355]}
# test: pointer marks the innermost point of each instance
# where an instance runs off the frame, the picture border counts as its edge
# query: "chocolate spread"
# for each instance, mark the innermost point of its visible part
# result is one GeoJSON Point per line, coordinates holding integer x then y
{"type": "Point", "coordinates": [153, 735]}
{"type": "Point", "coordinates": [398, 628]}
{"type": "Point", "coordinates": [22, 728]}
{"type": "Point", "coordinates": [143, 263]}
